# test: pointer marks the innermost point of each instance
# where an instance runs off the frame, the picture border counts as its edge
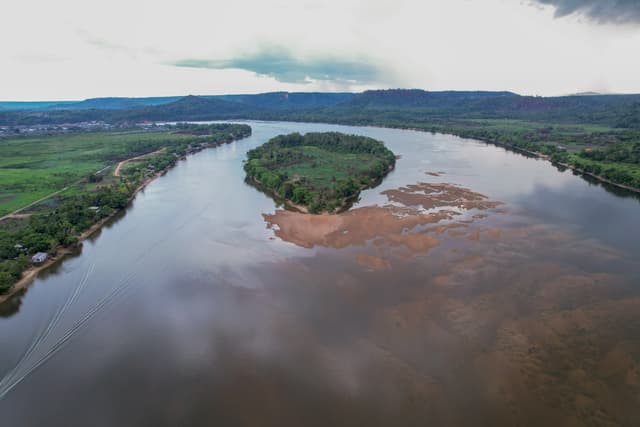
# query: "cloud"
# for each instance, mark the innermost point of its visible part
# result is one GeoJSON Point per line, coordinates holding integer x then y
{"type": "Point", "coordinates": [601, 11]}
{"type": "Point", "coordinates": [106, 45]}
{"type": "Point", "coordinates": [285, 67]}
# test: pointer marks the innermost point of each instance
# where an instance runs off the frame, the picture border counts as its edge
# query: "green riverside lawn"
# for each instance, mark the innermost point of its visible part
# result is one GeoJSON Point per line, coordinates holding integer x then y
{"type": "Point", "coordinates": [319, 172]}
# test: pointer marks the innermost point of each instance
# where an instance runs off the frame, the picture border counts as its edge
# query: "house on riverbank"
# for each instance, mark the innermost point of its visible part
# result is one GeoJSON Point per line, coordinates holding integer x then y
{"type": "Point", "coordinates": [39, 258]}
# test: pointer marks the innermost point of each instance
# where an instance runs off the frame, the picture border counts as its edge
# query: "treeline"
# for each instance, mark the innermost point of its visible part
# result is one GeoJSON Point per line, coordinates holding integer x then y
{"type": "Point", "coordinates": [217, 133]}
{"type": "Point", "coordinates": [613, 172]}
{"type": "Point", "coordinates": [60, 226]}
{"type": "Point", "coordinates": [46, 231]}
{"type": "Point", "coordinates": [616, 163]}
{"type": "Point", "coordinates": [330, 141]}
{"type": "Point", "coordinates": [269, 166]}
{"type": "Point", "coordinates": [623, 153]}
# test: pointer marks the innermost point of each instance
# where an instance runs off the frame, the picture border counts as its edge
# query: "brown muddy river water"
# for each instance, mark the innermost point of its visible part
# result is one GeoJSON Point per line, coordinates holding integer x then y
{"type": "Point", "coordinates": [473, 287]}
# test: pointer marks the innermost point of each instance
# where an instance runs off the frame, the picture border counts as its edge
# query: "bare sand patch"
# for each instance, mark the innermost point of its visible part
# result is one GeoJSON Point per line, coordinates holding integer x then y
{"type": "Point", "coordinates": [430, 196]}
{"type": "Point", "coordinates": [401, 224]}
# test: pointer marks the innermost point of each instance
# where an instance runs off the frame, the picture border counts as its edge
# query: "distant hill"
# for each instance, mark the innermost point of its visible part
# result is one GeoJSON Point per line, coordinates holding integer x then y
{"type": "Point", "coordinates": [112, 103]}
{"type": "Point", "coordinates": [187, 108]}
{"type": "Point", "coordinates": [416, 98]}
{"type": "Point", "coordinates": [31, 105]}
{"type": "Point", "coordinates": [271, 100]}
{"type": "Point", "coordinates": [613, 110]}
{"type": "Point", "coordinates": [375, 106]}
{"type": "Point", "coordinates": [291, 100]}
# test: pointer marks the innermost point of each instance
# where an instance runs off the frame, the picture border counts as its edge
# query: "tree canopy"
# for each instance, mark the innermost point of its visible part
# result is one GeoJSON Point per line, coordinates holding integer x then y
{"type": "Point", "coordinates": [322, 172]}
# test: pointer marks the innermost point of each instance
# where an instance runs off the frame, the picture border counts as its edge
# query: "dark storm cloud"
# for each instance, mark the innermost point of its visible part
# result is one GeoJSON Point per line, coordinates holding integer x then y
{"type": "Point", "coordinates": [601, 11]}
{"type": "Point", "coordinates": [285, 67]}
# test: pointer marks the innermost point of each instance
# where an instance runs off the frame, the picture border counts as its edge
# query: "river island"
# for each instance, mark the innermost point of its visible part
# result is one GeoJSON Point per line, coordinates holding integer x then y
{"type": "Point", "coordinates": [318, 172]}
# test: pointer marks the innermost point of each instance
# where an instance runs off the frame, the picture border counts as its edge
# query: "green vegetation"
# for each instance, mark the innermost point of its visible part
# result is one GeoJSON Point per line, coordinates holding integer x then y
{"type": "Point", "coordinates": [47, 163]}
{"type": "Point", "coordinates": [321, 171]}
{"type": "Point", "coordinates": [621, 111]}
{"type": "Point", "coordinates": [607, 152]}
{"type": "Point", "coordinates": [31, 168]}
{"type": "Point", "coordinates": [561, 128]}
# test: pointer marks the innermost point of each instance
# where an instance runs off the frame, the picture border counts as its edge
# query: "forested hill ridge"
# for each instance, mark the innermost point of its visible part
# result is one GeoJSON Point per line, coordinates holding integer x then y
{"type": "Point", "coordinates": [621, 111]}
{"type": "Point", "coordinates": [269, 100]}
{"type": "Point", "coordinates": [610, 110]}
{"type": "Point", "coordinates": [318, 172]}
{"type": "Point", "coordinates": [416, 98]}
{"type": "Point", "coordinates": [289, 101]}
{"type": "Point", "coordinates": [187, 108]}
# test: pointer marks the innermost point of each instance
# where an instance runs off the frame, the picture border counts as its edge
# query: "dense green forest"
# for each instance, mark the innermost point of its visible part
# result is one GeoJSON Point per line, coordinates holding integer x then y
{"type": "Point", "coordinates": [582, 132]}
{"type": "Point", "coordinates": [622, 111]}
{"type": "Point", "coordinates": [60, 220]}
{"type": "Point", "coordinates": [321, 171]}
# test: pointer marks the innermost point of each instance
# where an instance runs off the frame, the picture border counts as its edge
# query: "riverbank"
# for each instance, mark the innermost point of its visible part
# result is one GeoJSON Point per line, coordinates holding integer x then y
{"type": "Point", "coordinates": [539, 156]}
{"type": "Point", "coordinates": [462, 134]}
{"type": "Point", "coordinates": [564, 165]}
{"type": "Point", "coordinates": [289, 205]}
{"type": "Point", "coordinates": [29, 275]}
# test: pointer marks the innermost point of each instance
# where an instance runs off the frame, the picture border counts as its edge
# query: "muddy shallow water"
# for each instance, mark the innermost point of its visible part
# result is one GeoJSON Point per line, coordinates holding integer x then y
{"type": "Point", "coordinates": [473, 287]}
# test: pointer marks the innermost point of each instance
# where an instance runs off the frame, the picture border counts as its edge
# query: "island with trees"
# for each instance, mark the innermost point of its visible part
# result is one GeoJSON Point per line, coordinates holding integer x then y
{"type": "Point", "coordinates": [318, 172]}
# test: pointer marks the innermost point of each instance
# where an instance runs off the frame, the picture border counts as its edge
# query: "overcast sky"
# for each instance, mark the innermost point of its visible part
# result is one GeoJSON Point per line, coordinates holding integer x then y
{"type": "Point", "coordinates": [75, 49]}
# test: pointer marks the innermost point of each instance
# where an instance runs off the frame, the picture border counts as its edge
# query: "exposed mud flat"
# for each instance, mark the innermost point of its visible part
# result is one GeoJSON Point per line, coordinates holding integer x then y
{"type": "Point", "coordinates": [401, 223]}
{"type": "Point", "coordinates": [430, 196]}
{"type": "Point", "coordinates": [528, 334]}
{"type": "Point", "coordinates": [524, 336]}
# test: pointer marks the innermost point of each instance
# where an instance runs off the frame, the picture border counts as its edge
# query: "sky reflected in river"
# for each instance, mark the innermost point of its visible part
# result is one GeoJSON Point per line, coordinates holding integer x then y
{"type": "Point", "coordinates": [190, 310]}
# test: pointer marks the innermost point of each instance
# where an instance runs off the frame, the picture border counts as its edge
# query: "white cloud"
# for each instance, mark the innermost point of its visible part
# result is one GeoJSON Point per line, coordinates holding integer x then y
{"type": "Point", "coordinates": [85, 48]}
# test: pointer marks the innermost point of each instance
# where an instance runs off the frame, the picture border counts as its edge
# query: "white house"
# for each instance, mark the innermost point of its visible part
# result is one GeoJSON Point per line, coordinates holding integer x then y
{"type": "Point", "coordinates": [40, 257]}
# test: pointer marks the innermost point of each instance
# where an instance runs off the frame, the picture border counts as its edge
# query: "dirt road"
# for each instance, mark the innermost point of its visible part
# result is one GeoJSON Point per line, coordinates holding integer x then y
{"type": "Point", "coordinates": [116, 172]}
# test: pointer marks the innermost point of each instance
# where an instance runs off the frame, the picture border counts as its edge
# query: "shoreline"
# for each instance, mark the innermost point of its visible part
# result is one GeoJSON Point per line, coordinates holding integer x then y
{"type": "Point", "coordinates": [538, 156]}
{"type": "Point", "coordinates": [31, 273]}
{"type": "Point", "coordinates": [444, 132]}
{"type": "Point", "coordinates": [348, 202]}
{"type": "Point", "coordinates": [301, 208]}
{"type": "Point", "coordinates": [564, 165]}
{"type": "Point", "coordinates": [278, 198]}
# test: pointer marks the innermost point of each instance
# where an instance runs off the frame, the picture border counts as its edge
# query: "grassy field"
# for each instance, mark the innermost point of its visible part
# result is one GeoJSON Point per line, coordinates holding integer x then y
{"type": "Point", "coordinates": [32, 168]}
{"type": "Point", "coordinates": [322, 168]}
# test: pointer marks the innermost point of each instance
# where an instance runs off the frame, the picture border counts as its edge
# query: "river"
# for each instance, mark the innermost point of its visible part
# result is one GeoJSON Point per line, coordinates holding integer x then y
{"type": "Point", "coordinates": [195, 307]}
